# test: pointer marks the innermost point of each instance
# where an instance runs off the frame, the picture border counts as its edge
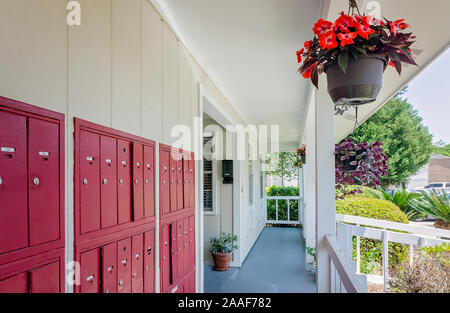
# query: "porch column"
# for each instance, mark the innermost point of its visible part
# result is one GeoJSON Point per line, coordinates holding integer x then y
{"type": "Point", "coordinates": [309, 171]}
{"type": "Point", "coordinates": [325, 183]}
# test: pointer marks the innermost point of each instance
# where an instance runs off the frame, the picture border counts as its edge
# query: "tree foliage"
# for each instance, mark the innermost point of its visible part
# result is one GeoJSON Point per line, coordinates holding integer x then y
{"type": "Point", "coordinates": [443, 150]}
{"type": "Point", "coordinates": [405, 140]}
{"type": "Point", "coordinates": [282, 164]}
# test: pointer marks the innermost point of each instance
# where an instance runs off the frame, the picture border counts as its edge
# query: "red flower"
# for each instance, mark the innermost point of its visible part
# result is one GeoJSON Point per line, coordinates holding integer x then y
{"type": "Point", "coordinates": [308, 45]}
{"type": "Point", "coordinates": [365, 20]}
{"type": "Point", "coordinates": [299, 55]}
{"type": "Point", "coordinates": [391, 63]}
{"type": "Point", "coordinates": [344, 22]}
{"type": "Point", "coordinates": [364, 31]}
{"type": "Point", "coordinates": [321, 27]}
{"type": "Point", "coordinates": [328, 41]}
{"type": "Point", "coordinates": [308, 72]}
{"type": "Point", "coordinates": [347, 39]}
{"type": "Point", "coordinates": [398, 24]}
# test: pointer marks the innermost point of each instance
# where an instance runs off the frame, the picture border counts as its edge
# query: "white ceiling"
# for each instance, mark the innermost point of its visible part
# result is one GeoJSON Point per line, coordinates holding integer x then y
{"type": "Point", "coordinates": [248, 48]}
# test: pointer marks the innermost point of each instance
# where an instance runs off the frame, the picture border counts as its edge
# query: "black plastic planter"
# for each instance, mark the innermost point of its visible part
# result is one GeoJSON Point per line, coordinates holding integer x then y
{"type": "Point", "coordinates": [361, 84]}
{"type": "Point", "coordinates": [303, 157]}
{"type": "Point", "coordinates": [347, 163]}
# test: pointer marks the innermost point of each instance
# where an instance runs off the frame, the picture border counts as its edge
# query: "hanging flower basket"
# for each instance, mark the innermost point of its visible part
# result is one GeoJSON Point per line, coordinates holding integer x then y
{"type": "Point", "coordinates": [351, 164]}
{"type": "Point", "coordinates": [301, 154]}
{"type": "Point", "coordinates": [354, 51]}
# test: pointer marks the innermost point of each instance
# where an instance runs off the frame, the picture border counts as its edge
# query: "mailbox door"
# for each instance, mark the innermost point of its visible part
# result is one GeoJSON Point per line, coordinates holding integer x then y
{"type": "Point", "coordinates": [108, 172]}
{"type": "Point", "coordinates": [137, 264]}
{"type": "Point", "coordinates": [90, 181]}
{"type": "Point", "coordinates": [15, 284]}
{"type": "Point", "coordinates": [192, 241]}
{"type": "Point", "coordinates": [164, 185]}
{"type": "Point", "coordinates": [45, 279]}
{"type": "Point", "coordinates": [109, 268]}
{"type": "Point", "coordinates": [173, 253]}
{"type": "Point", "coordinates": [124, 181]}
{"type": "Point", "coordinates": [149, 262]}
{"type": "Point", "coordinates": [13, 182]}
{"type": "Point", "coordinates": [180, 250]}
{"type": "Point", "coordinates": [180, 197]}
{"type": "Point", "coordinates": [124, 266]}
{"type": "Point", "coordinates": [173, 184]}
{"type": "Point", "coordinates": [186, 248]}
{"type": "Point", "coordinates": [191, 182]}
{"type": "Point", "coordinates": [165, 257]}
{"type": "Point", "coordinates": [186, 190]}
{"type": "Point", "coordinates": [90, 271]}
{"type": "Point", "coordinates": [149, 181]}
{"type": "Point", "coordinates": [138, 186]}
{"type": "Point", "coordinates": [43, 181]}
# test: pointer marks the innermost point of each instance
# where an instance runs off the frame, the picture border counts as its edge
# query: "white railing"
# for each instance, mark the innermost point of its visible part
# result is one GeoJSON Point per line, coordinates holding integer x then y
{"type": "Point", "coordinates": [415, 236]}
{"type": "Point", "coordinates": [343, 278]}
{"type": "Point", "coordinates": [277, 220]}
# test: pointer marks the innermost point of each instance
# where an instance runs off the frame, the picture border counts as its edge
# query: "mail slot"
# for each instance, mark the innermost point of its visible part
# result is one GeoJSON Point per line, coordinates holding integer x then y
{"type": "Point", "coordinates": [124, 181]}
{"type": "Point", "coordinates": [45, 279]}
{"type": "Point", "coordinates": [13, 186]}
{"type": "Point", "coordinates": [149, 181]}
{"type": "Point", "coordinates": [137, 264]}
{"type": "Point", "coordinates": [164, 177]}
{"type": "Point", "coordinates": [138, 185]}
{"type": "Point", "coordinates": [90, 270]}
{"type": "Point", "coordinates": [149, 262]}
{"type": "Point", "coordinates": [108, 176]}
{"type": "Point", "coordinates": [43, 180]}
{"type": "Point", "coordinates": [124, 266]}
{"type": "Point", "coordinates": [90, 181]}
{"type": "Point", "coordinates": [109, 268]}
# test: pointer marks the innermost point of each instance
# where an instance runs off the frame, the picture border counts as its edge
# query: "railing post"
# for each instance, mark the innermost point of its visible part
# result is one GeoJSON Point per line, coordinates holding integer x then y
{"type": "Point", "coordinates": [288, 211]}
{"type": "Point", "coordinates": [358, 253]}
{"type": "Point", "coordinates": [411, 255]}
{"type": "Point", "coordinates": [385, 259]}
{"type": "Point", "coordinates": [276, 210]}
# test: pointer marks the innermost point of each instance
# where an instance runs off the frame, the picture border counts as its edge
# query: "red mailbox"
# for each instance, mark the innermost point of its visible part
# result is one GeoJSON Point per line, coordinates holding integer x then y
{"type": "Point", "coordinates": [108, 174]}
{"type": "Point", "coordinates": [109, 268]}
{"type": "Point", "coordinates": [137, 264]}
{"type": "Point", "coordinates": [186, 257]}
{"type": "Point", "coordinates": [15, 284]}
{"type": "Point", "coordinates": [45, 279]}
{"type": "Point", "coordinates": [138, 177]}
{"type": "Point", "coordinates": [149, 262]}
{"type": "Point", "coordinates": [13, 182]}
{"type": "Point", "coordinates": [124, 181]}
{"type": "Point", "coordinates": [90, 271]}
{"type": "Point", "coordinates": [165, 257]}
{"type": "Point", "coordinates": [180, 193]}
{"type": "Point", "coordinates": [149, 181]}
{"type": "Point", "coordinates": [173, 184]}
{"type": "Point", "coordinates": [191, 241]}
{"type": "Point", "coordinates": [164, 182]}
{"type": "Point", "coordinates": [124, 265]}
{"type": "Point", "coordinates": [90, 181]}
{"type": "Point", "coordinates": [186, 190]}
{"type": "Point", "coordinates": [173, 253]}
{"type": "Point", "coordinates": [180, 249]}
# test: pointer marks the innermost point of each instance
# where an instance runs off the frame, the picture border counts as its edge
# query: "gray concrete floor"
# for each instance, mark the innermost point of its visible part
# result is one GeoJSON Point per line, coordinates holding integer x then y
{"type": "Point", "coordinates": [276, 263]}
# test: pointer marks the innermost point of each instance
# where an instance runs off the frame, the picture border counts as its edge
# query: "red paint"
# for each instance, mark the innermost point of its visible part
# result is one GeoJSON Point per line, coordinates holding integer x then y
{"type": "Point", "coordinates": [45, 279]}
{"type": "Point", "coordinates": [43, 164]}
{"type": "Point", "coordinates": [149, 262]}
{"type": "Point", "coordinates": [124, 181]}
{"type": "Point", "coordinates": [108, 178]}
{"type": "Point", "coordinates": [109, 268]}
{"type": "Point", "coordinates": [13, 190]}
{"type": "Point", "coordinates": [15, 284]}
{"type": "Point", "coordinates": [180, 249]}
{"type": "Point", "coordinates": [191, 242]}
{"type": "Point", "coordinates": [165, 257]}
{"type": "Point", "coordinates": [90, 271]}
{"type": "Point", "coordinates": [149, 181]}
{"type": "Point", "coordinates": [137, 264]}
{"type": "Point", "coordinates": [124, 266]}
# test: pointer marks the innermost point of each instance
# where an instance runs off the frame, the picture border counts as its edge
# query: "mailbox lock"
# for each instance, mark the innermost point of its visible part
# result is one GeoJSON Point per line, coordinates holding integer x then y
{"type": "Point", "coordinates": [105, 181]}
{"type": "Point", "coordinates": [138, 164]}
{"type": "Point", "coordinates": [107, 291]}
{"type": "Point", "coordinates": [146, 181]}
{"type": "Point", "coordinates": [179, 249]}
{"type": "Point", "coordinates": [146, 268]}
{"type": "Point", "coordinates": [136, 181]}
{"type": "Point", "coordinates": [90, 278]}
{"type": "Point", "coordinates": [164, 257]}
{"type": "Point", "coordinates": [134, 275]}
{"type": "Point", "coordinates": [36, 181]}
{"type": "Point", "coordinates": [121, 181]}
{"type": "Point", "coordinates": [120, 282]}
{"type": "Point", "coordinates": [1, 181]}
{"type": "Point", "coordinates": [185, 245]}
{"type": "Point", "coordinates": [164, 181]}
{"type": "Point", "coordinates": [137, 256]}
{"type": "Point", "coordinates": [149, 250]}
{"type": "Point", "coordinates": [110, 269]}
{"type": "Point", "coordinates": [85, 181]}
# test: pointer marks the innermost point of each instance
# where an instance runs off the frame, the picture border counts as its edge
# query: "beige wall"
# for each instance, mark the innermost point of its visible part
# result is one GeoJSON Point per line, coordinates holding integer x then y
{"type": "Point", "coordinates": [439, 170]}
{"type": "Point", "coordinates": [123, 68]}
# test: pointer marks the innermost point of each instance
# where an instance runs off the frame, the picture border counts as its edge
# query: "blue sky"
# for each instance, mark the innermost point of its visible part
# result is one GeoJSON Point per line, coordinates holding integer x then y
{"type": "Point", "coordinates": [429, 93]}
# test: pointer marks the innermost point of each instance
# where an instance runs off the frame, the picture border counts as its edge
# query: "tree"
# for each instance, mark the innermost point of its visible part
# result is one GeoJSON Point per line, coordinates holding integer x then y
{"type": "Point", "coordinates": [282, 164]}
{"type": "Point", "coordinates": [405, 140]}
{"type": "Point", "coordinates": [442, 149]}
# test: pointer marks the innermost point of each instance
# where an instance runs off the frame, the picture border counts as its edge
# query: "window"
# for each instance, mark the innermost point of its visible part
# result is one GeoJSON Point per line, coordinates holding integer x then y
{"type": "Point", "coordinates": [447, 185]}
{"type": "Point", "coordinates": [208, 175]}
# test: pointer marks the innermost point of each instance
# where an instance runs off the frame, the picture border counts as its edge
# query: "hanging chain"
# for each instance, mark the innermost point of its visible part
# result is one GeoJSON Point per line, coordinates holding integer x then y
{"type": "Point", "coordinates": [352, 5]}
{"type": "Point", "coordinates": [356, 118]}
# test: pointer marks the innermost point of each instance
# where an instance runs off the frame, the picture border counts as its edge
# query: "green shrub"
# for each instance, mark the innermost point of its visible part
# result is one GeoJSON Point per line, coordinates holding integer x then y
{"type": "Point", "coordinates": [275, 191]}
{"type": "Point", "coordinates": [371, 249]}
{"type": "Point", "coordinates": [402, 198]}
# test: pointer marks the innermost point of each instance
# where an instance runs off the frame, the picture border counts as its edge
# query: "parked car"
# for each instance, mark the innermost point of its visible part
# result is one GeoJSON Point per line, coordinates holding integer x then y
{"type": "Point", "coordinates": [444, 186]}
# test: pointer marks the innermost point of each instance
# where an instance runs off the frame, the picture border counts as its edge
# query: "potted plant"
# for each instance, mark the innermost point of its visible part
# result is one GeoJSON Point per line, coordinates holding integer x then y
{"type": "Point", "coordinates": [360, 163]}
{"type": "Point", "coordinates": [221, 249]}
{"type": "Point", "coordinates": [312, 252]}
{"type": "Point", "coordinates": [301, 153]}
{"type": "Point", "coordinates": [354, 51]}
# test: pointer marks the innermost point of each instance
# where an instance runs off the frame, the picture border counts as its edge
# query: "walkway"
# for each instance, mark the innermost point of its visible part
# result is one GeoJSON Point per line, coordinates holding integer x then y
{"type": "Point", "coordinates": [276, 263]}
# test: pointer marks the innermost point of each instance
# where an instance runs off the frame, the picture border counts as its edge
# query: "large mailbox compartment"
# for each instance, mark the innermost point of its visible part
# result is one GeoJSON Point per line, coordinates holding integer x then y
{"type": "Point", "coordinates": [31, 190]}
{"type": "Point", "coordinates": [115, 219]}
{"type": "Point", "coordinates": [177, 219]}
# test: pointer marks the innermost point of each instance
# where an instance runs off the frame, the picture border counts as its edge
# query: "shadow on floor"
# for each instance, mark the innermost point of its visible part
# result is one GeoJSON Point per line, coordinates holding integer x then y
{"type": "Point", "coordinates": [276, 263]}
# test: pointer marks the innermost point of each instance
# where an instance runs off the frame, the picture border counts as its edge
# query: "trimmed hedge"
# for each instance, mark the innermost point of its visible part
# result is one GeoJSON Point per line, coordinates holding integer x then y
{"type": "Point", "coordinates": [371, 249]}
{"type": "Point", "coordinates": [282, 204]}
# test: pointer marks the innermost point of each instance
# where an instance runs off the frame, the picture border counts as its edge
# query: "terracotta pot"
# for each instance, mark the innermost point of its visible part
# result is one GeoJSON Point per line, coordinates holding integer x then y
{"type": "Point", "coordinates": [362, 82]}
{"type": "Point", "coordinates": [221, 261]}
